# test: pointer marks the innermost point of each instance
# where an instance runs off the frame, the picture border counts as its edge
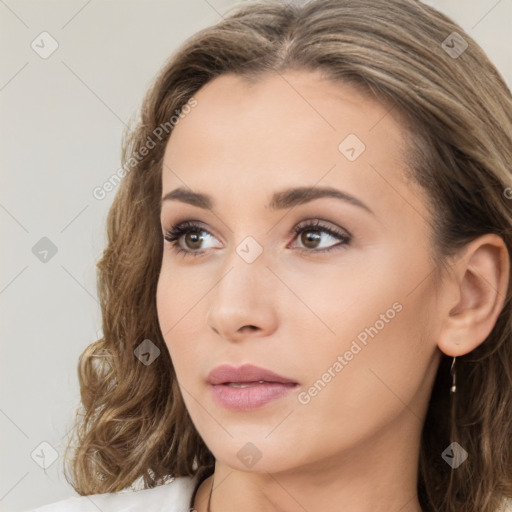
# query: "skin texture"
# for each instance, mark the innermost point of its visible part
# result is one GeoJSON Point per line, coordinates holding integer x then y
{"type": "Point", "coordinates": [356, 441]}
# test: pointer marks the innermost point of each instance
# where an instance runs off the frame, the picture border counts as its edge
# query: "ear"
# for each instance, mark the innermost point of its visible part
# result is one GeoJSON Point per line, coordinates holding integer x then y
{"type": "Point", "coordinates": [476, 293]}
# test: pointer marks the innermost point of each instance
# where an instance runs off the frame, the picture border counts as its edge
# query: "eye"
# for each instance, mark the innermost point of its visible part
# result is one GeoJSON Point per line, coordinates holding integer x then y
{"type": "Point", "coordinates": [311, 234]}
{"type": "Point", "coordinates": [191, 233]}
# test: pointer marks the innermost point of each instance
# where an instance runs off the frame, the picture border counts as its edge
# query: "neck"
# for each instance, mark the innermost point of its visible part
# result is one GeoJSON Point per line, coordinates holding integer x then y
{"type": "Point", "coordinates": [374, 476]}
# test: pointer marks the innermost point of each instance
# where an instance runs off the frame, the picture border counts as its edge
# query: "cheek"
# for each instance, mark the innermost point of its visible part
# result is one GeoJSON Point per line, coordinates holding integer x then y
{"type": "Point", "coordinates": [381, 348]}
{"type": "Point", "coordinates": [392, 354]}
{"type": "Point", "coordinates": [179, 308]}
{"type": "Point", "coordinates": [355, 388]}
{"type": "Point", "coordinates": [177, 293]}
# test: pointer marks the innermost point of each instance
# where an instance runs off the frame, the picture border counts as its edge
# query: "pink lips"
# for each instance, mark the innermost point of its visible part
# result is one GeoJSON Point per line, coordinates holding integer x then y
{"type": "Point", "coordinates": [246, 373]}
{"type": "Point", "coordinates": [247, 387]}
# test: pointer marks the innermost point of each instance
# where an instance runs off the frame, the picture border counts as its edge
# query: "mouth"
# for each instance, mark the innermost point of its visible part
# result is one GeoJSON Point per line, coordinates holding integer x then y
{"type": "Point", "coordinates": [252, 384]}
{"type": "Point", "coordinates": [245, 396]}
{"type": "Point", "coordinates": [247, 387]}
{"type": "Point", "coordinates": [245, 374]}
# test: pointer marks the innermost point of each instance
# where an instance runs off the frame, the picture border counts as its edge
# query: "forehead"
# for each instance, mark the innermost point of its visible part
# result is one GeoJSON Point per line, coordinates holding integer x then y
{"type": "Point", "coordinates": [283, 130]}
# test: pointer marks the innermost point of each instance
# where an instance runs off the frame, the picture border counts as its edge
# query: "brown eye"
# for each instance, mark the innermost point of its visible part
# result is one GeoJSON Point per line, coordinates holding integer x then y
{"type": "Point", "coordinates": [193, 240]}
{"type": "Point", "coordinates": [310, 239]}
{"type": "Point", "coordinates": [193, 237]}
{"type": "Point", "coordinates": [312, 234]}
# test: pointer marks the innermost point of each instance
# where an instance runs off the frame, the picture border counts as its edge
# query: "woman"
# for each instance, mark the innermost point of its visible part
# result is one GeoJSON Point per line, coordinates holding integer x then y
{"type": "Point", "coordinates": [306, 287]}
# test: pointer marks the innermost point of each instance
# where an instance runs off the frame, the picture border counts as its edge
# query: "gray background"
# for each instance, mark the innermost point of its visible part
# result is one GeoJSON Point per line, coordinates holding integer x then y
{"type": "Point", "coordinates": [61, 124]}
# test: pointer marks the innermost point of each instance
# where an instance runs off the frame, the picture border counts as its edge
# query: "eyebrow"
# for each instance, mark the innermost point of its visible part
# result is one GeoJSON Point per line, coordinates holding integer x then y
{"type": "Point", "coordinates": [280, 200]}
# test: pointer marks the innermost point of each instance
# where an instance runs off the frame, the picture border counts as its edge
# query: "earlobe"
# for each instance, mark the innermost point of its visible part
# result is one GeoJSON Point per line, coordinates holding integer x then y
{"type": "Point", "coordinates": [480, 282]}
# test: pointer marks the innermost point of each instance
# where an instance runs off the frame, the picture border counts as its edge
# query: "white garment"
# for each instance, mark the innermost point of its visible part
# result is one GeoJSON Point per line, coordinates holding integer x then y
{"type": "Point", "coordinates": [173, 496]}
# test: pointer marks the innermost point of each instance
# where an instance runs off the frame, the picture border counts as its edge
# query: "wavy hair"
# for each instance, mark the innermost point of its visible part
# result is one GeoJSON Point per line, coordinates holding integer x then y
{"type": "Point", "coordinates": [132, 423]}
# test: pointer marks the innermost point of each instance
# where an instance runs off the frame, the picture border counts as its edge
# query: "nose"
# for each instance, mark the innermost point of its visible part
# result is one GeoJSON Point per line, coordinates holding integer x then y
{"type": "Point", "coordinates": [243, 304]}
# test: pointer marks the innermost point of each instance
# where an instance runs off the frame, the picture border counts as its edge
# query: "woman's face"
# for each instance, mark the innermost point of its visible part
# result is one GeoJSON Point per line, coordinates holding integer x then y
{"type": "Point", "coordinates": [344, 308]}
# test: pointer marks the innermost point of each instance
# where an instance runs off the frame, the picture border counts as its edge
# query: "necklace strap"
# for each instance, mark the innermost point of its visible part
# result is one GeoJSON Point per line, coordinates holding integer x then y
{"type": "Point", "coordinates": [210, 495]}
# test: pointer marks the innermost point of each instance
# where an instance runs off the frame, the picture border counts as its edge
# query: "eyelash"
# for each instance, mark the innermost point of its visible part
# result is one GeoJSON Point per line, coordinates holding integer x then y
{"type": "Point", "coordinates": [176, 232]}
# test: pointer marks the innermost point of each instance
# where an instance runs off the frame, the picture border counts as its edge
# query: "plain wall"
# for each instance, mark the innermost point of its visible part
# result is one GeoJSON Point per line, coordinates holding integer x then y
{"type": "Point", "coordinates": [61, 125]}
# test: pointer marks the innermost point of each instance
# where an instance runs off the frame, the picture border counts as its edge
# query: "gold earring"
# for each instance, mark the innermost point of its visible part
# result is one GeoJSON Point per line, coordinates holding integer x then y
{"type": "Point", "coordinates": [453, 389]}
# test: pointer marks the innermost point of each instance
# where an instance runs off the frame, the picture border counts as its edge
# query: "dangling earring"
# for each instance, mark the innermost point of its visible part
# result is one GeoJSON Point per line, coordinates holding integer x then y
{"type": "Point", "coordinates": [453, 389]}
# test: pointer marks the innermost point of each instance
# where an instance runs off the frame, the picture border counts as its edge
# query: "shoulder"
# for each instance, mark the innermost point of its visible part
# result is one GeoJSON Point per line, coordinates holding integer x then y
{"type": "Point", "coordinates": [173, 496]}
{"type": "Point", "coordinates": [506, 505]}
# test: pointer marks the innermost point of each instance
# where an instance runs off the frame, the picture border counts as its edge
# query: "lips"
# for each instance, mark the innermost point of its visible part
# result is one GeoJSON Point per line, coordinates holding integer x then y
{"type": "Point", "coordinates": [247, 373]}
{"type": "Point", "coordinates": [248, 387]}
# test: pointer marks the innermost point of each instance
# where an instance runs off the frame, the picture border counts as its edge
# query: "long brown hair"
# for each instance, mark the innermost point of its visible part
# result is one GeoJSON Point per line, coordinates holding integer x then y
{"type": "Point", "coordinates": [133, 424]}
